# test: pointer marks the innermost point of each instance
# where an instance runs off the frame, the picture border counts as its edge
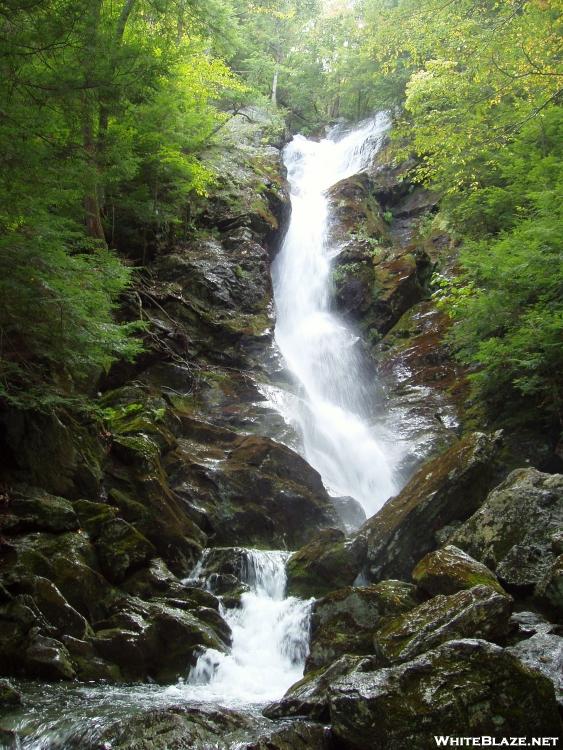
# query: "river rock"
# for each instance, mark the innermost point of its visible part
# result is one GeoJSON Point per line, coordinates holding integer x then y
{"type": "Point", "coordinates": [310, 696]}
{"type": "Point", "coordinates": [328, 562]}
{"type": "Point", "coordinates": [467, 686]}
{"type": "Point", "coordinates": [448, 488]}
{"type": "Point", "coordinates": [511, 533]}
{"type": "Point", "coordinates": [543, 652]}
{"type": "Point", "coordinates": [344, 621]}
{"type": "Point", "coordinates": [449, 569]}
{"type": "Point", "coordinates": [156, 639]}
{"type": "Point", "coordinates": [480, 612]}
{"type": "Point", "coordinates": [9, 696]}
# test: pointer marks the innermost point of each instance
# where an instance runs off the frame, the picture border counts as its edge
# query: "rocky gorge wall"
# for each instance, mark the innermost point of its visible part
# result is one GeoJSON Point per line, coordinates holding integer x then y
{"type": "Point", "coordinates": [440, 612]}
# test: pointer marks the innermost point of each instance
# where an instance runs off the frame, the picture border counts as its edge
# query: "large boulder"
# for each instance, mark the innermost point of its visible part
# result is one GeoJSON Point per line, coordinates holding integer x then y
{"type": "Point", "coordinates": [157, 639]}
{"type": "Point", "coordinates": [480, 612]}
{"type": "Point", "coordinates": [450, 569]}
{"type": "Point", "coordinates": [344, 621]}
{"type": "Point", "coordinates": [512, 532]}
{"type": "Point", "coordinates": [254, 491]}
{"type": "Point", "coordinates": [468, 686]}
{"type": "Point", "coordinates": [448, 488]}
{"type": "Point", "coordinates": [327, 562]}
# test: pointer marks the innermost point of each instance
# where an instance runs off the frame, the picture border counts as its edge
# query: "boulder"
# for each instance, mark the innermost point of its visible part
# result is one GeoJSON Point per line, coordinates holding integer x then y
{"type": "Point", "coordinates": [326, 563]}
{"type": "Point", "coordinates": [449, 569]}
{"type": "Point", "coordinates": [157, 640]}
{"type": "Point", "coordinates": [544, 653]}
{"type": "Point", "coordinates": [310, 696]}
{"type": "Point", "coordinates": [512, 532]}
{"type": "Point", "coordinates": [470, 687]}
{"type": "Point", "coordinates": [480, 612]}
{"type": "Point", "coordinates": [344, 621]}
{"type": "Point", "coordinates": [447, 488]}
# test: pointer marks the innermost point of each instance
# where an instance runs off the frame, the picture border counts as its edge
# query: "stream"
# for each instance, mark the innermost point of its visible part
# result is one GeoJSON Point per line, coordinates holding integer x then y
{"type": "Point", "coordinates": [341, 436]}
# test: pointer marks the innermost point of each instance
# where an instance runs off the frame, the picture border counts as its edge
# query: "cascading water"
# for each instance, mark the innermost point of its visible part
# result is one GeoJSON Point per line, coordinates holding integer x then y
{"type": "Point", "coordinates": [270, 638]}
{"type": "Point", "coordinates": [339, 438]}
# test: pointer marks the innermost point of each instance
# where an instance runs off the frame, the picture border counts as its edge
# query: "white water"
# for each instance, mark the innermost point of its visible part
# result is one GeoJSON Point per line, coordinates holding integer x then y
{"type": "Point", "coordinates": [270, 640]}
{"type": "Point", "coordinates": [333, 413]}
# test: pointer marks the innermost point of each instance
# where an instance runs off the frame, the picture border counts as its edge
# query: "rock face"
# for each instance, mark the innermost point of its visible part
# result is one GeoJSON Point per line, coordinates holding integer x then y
{"type": "Point", "coordinates": [512, 532]}
{"type": "Point", "coordinates": [344, 621]}
{"type": "Point", "coordinates": [449, 569]}
{"type": "Point", "coordinates": [468, 684]}
{"type": "Point", "coordinates": [447, 489]}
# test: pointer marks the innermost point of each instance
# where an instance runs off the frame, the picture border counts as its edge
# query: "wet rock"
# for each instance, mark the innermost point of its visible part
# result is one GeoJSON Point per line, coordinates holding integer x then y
{"type": "Point", "coordinates": [56, 610]}
{"type": "Point", "coordinates": [261, 494]}
{"type": "Point", "coordinates": [480, 612]}
{"type": "Point", "coordinates": [344, 621]}
{"type": "Point", "coordinates": [328, 562]}
{"type": "Point", "coordinates": [468, 684]}
{"type": "Point", "coordinates": [121, 549]}
{"type": "Point", "coordinates": [156, 639]}
{"type": "Point", "coordinates": [48, 658]}
{"type": "Point", "coordinates": [425, 387]}
{"type": "Point", "coordinates": [550, 587]}
{"type": "Point", "coordinates": [293, 735]}
{"type": "Point", "coordinates": [9, 696]}
{"type": "Point", "coordinates": [33, 509]}
{"type": "Point", "coordinates": [449, 569]}
{"type": "Point", "coordinates": [350, 512]}
{"type": "Point", "coordinates": [177, 728]}
{"type": "Point", "coordinates": [310, 696]}
{"type": "Point", "coordinates": [448, 488]}
{"type": "Point", "coordinates": [544, 653]}
{"type": "Point", "coordinates": [93, 516]}
{"type": "Point", "coordinates": [511, 533]}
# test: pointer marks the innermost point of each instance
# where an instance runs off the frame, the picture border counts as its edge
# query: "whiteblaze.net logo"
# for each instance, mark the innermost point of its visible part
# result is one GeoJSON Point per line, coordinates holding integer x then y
{"type": "Point", "coordinates": [487, 741]}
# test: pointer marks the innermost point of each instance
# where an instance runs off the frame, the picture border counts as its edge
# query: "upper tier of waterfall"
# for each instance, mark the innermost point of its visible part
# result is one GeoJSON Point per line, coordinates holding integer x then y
{"type": "Point", "coordinates": [333, 413]}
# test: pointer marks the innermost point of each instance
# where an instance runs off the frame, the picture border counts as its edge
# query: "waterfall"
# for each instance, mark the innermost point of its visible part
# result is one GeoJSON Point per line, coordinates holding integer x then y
{"type": "Point", "coordinates": [332, 411]}
{"type": "Point", "coordinates": [270, 638]}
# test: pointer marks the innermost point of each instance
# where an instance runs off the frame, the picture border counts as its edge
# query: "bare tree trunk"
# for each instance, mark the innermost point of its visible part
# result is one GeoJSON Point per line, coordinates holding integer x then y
{"type": "Point", "coordinates": [275, 86]}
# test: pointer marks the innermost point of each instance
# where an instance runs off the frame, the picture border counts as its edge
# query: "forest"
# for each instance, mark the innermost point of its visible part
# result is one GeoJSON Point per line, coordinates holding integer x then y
{"type": "Point", "coordinates": [107, 107]}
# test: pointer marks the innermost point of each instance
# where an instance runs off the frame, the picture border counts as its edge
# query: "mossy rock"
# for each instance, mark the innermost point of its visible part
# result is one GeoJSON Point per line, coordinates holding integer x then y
{"type": "Point", "coordinates": [9, 696]}
{"type": "Point", "coordinates": [122, 549]}
{"type": "Point", "coordinates": [449, 569]}
{"type": "Point", "coordinates": [466, 685]}
{"type": "Point", "coordinates": [93, 516]}
{"type": "Point", "coordinates": [512, 532]}
{"type": "Point", "coordinates": [480, 612]}
{"type": "Point", "coordinates": [445, 489]}
{"type": "Point", "coordinates": [32, 509]}
{"type": "Point", "coordinates": [344, 621]}
{"type": "Point", "coordinates": [326, 563]}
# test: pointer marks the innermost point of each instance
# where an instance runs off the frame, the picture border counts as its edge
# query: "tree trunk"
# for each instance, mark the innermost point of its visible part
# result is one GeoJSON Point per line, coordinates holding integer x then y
{"type": "Point", "coordinates": [275, 86]}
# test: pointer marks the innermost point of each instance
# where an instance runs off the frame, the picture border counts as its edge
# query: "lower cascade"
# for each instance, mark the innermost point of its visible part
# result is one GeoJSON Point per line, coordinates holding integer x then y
{"type": "Point", "coordinates": [270, 638]}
